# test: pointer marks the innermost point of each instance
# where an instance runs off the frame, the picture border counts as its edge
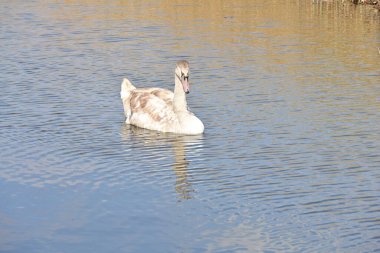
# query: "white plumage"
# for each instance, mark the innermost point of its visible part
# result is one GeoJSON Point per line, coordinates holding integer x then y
{"type": "Point", "coordinates": [160, 109]}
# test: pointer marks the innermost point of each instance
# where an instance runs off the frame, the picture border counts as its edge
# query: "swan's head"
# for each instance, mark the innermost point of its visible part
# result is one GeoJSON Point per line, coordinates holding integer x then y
{"type": "Point", "coordinates": [182, 73]}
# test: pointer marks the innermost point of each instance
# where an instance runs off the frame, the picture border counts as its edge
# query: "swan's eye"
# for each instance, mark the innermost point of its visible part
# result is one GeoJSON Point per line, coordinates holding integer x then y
{"type": "Point", "coordinates": [182, 74]}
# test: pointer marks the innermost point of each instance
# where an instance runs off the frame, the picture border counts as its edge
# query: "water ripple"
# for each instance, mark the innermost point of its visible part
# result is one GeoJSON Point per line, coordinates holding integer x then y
{"type": "Point", "coordinates": [288, 162]}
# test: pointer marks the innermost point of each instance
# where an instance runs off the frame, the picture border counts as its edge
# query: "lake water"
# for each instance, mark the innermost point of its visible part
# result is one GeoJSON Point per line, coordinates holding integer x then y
{"type": "Point", "coordinates": [289, 95]}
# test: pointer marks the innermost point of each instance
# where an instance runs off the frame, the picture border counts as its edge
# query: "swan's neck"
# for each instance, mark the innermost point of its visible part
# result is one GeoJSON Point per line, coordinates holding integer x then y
{"type": "Point", "coordinates": [179, 100]}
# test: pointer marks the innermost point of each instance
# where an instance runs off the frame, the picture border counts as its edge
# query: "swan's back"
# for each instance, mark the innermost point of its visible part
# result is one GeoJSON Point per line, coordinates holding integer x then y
{"type": "Point", "coordinates": [163, 94]}
{"type": "Point", "coordinates": [152, 109]}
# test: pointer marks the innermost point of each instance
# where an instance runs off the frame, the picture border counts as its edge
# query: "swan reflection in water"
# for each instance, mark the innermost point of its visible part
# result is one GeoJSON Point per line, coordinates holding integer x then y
{"type": "Point", "coordinates": [162, 146]}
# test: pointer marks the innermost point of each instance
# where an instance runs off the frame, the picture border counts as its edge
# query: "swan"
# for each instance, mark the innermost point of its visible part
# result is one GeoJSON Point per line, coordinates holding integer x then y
{"type": "Point", "coordinates": [160, 109]}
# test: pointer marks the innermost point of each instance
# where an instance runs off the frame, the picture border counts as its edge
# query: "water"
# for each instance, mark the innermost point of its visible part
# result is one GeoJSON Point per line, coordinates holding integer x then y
{"type": "Point", "coordinates": [288, 93]}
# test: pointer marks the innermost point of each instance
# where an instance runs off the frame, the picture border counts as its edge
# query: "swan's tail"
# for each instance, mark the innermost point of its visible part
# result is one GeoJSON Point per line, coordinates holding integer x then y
{"type": "Point", "coordinates": [126, 88]}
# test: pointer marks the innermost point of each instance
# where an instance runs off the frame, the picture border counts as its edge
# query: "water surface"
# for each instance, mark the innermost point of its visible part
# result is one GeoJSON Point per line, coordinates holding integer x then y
{"type": "Point", "coordinates": [288, 93]}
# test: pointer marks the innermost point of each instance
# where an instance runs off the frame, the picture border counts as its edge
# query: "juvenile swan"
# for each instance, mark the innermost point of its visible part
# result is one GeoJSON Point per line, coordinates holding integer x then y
{"type": "Point", "coordinates": [160, 109]}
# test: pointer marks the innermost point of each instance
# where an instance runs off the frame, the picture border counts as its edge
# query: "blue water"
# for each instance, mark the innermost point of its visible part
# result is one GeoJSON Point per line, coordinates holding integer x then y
{"type": "Point", "coordinates": [289, 161]}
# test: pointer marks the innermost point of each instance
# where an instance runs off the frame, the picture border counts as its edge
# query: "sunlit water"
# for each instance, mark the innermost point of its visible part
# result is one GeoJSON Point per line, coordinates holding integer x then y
{"type": "Point", "coordinates": [288, 93]}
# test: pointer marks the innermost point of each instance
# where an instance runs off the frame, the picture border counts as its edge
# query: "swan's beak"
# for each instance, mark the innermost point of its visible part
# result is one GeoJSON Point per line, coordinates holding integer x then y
{"type": "Point", "coordinates": [185, 84]}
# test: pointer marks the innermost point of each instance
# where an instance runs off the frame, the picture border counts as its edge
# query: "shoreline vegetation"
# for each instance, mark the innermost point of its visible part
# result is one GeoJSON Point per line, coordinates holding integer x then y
{"type": "Point", "coordinates": [374, 3]}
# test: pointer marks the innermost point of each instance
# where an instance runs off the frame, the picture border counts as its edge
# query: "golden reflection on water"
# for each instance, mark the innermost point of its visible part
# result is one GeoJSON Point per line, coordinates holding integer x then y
{"type": "Point", "coordinates": [284, 32]}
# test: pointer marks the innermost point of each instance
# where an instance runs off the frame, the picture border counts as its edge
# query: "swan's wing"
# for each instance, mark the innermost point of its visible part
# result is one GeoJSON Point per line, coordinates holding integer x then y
{"type": "Point", "coordinates": [165, 95]}
{"type": "Point", "coordinates": [150, 111]}
{"type": "Point", "coordinates": [162, 94]}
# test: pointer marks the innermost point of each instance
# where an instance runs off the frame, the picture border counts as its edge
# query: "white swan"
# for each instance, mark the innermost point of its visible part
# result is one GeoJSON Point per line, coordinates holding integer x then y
{"type": "Point", "coordinates": [160, 109]}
